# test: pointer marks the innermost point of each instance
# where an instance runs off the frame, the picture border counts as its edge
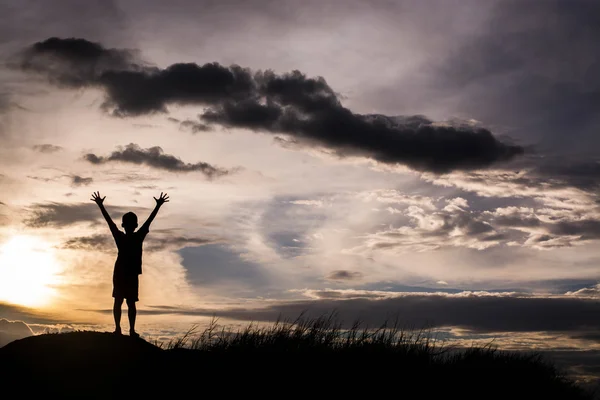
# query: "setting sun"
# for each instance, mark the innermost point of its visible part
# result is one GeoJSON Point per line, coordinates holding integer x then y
{"type": "Point", "coordinates": [28, 269]}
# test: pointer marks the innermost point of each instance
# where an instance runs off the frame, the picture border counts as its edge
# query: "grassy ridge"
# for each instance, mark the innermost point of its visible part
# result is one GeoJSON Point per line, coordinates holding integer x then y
{"type": "Point", "coordinates": [306, 357]}
{"type": "Point", "coordinates": [386, 360]}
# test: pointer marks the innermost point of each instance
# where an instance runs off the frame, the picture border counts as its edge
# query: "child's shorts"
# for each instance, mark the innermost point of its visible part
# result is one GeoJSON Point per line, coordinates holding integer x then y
{"type": "Point", "coordinates": [126, 287]}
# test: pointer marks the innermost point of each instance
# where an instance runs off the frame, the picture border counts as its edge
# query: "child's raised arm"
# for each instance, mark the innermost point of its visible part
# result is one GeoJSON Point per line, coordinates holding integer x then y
{"type": "Point", "coordinates": [163, 198]}
{"type": "Point", "coordinates": [100, 201]}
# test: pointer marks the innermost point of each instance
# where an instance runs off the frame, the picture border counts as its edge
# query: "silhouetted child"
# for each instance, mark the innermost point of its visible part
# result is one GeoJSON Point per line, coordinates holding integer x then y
{"type": "Point", "coordinates": [129, 261]}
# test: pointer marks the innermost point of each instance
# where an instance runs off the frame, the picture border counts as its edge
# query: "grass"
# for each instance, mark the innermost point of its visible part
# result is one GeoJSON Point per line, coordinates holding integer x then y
{"type": "Point", "coordinates": [321, 334]}
{"type": "Point", "coordinates": [389, 360]}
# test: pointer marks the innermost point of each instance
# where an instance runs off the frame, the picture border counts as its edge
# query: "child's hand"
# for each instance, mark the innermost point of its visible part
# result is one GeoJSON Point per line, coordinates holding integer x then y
{"type": "Point", "coordinates": [162, 199]}
{"type": "Point", "coordinates": [96, 197]}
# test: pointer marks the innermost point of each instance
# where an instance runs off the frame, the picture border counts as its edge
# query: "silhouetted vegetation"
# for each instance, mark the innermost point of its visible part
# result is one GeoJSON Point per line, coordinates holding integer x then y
{"type": "Point", "coordinates": [306, 357]}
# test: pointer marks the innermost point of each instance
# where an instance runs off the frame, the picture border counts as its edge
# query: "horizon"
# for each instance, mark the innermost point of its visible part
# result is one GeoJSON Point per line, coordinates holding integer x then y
{"type": "Point", "coordinates": [435, 161]}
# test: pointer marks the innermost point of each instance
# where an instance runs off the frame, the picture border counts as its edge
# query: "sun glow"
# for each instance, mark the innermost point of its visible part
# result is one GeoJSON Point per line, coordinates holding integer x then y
{"type": "Point", "coordinates": [28, 270]}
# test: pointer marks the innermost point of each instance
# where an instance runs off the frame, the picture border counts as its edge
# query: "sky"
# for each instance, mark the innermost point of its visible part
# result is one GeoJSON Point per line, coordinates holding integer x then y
{"type": "Point", "coordinates": [433, 161]}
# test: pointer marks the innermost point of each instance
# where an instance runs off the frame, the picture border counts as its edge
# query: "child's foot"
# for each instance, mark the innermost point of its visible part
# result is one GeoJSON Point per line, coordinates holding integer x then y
{"type": "Point", "coordinates": [134, 334]}
{"type": "Point", "coordinates": [117, 331]}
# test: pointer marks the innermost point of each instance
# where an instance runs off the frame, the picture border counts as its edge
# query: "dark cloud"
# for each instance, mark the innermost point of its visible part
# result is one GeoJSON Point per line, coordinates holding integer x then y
{"type": "Point", "coordinates": [533, 68]}
{"type": "Point", "coordinates": [581, 173]}
{"type": "Point", "coordinates": [343, 275]}
{"type": "Point", "coordinates": [584, 229]}
{"type": "Point", "coordinates": [74, 62]}
{"type": "Point", "coordinates": [580, 363]}
{"type": "Point", "coordinates": [41, 178]}
{"type": "Point", "coordinates": [156, 158]}
{"type": "Point", "coordinates": [190, 125]}
{"type": "Point", "coordinates": [484, 313]}
{"type": "Point", "coordinates": [158, 241]}
{"type": "Point", "coordinates": [77, 180]}
{"type": "Point", "coordinates": [593, 336]}
{"type": "Point", "coordinates": [91, 243]}
{"type": "Point", "coordinates": [46, 148]}
{"type": "Point", "coordinates": [194, 126]}
{"type": "Point", "coordinates": [61, 214]}
{"type": "Point", "coordinates": [306, 108]}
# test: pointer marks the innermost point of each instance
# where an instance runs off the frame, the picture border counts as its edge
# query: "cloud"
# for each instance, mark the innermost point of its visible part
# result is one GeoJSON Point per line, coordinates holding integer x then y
{"type": "Point", "coordinates": [589, 292]}
{"type": "Point", "coordinates": [56, 328]}
{"type": "Point", "coordinates": [420, 229]}
{"type": "Point", "coordinates": [15, 327]}
{"type": "Point", "coordinates": [523, 72]}
{"type": "Point", "coordinates": [307, 109]}
{"type": "Point", "coordinates": [157, 241]}
{"type": "Point", "coordinates": [41, 178]}
{"type": "Point", "coordinates": [13, 330]}
{"type": "Point", "coordinates": [194, 126]}
{"type": "Point", "coordinates": [314, 203]}
{"type": "Point", "coordinates": [77, 180]}
{"type": "Point", "coordinates": [47, 148]}
{"type": "Point", "coordinates": [343, 275]}
{"type": "Point", "coordinates": [156, 158]}
{"type": "Point", "coordinates": [548, 228]}
{"type": "Point", "coordinates": [552, 217]}
{"type": "Point", "coordinates": [59, 214]}
{"type": "Point", "coordinates": [562, 206]}
{"type": "Point", "coordinates": [171, 242]}
{"type": "Point", "coordinates": [97, 242]}
{"type": "Point", "coordinates": [74, 62]}
{"type": "Point", "coordinates": [64, 214]}
{"type": "Point", "coordinates": [314, 122]}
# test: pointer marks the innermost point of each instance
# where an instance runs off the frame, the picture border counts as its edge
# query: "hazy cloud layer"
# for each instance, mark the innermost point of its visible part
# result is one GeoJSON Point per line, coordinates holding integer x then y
{"type": "Point", "coordinates": [77, 180]}
{"type": "Point", "coordinates": [91, 243]}
{"type": "Point", "coordinates": [478, 311]}
{"type": "Point", "coordinates": [305, 108]}
{"type": "Point", "coordinates": [157, 241]}
{"type": "Point", "coordinates": [156, 158]}
{"type": "Point", "coordinates": [190, 125]}
{"type": "Point", "coordinates": [59, 215]}
{"type": "Point", "coordinates": [343, 275]}
{"type": "Point", "coordinates": [46, 148]}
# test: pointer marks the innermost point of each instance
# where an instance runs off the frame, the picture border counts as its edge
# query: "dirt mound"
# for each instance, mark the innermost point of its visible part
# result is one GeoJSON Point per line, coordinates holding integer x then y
{"type": "Point", "coordinates": [79, 364]}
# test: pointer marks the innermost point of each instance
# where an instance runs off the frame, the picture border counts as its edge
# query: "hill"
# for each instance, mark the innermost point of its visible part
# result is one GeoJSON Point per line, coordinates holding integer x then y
{"type": "Point", "coordinates": [268, 364]}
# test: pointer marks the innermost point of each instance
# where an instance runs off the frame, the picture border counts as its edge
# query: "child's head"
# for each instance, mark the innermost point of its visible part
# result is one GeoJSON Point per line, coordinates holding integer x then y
{"type": "Point", "coordinates": [129, 222]}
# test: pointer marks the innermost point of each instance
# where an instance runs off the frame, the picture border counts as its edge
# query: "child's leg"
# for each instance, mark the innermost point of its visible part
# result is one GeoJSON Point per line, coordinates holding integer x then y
{"type": "Point", "coordinates": [131, 313]}
{"type": "Point", "coordinates": [117, 313]}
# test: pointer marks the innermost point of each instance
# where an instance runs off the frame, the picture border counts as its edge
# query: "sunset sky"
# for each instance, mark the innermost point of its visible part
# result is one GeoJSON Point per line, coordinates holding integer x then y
{"type": "Point", "coordinates": [432, 160]}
